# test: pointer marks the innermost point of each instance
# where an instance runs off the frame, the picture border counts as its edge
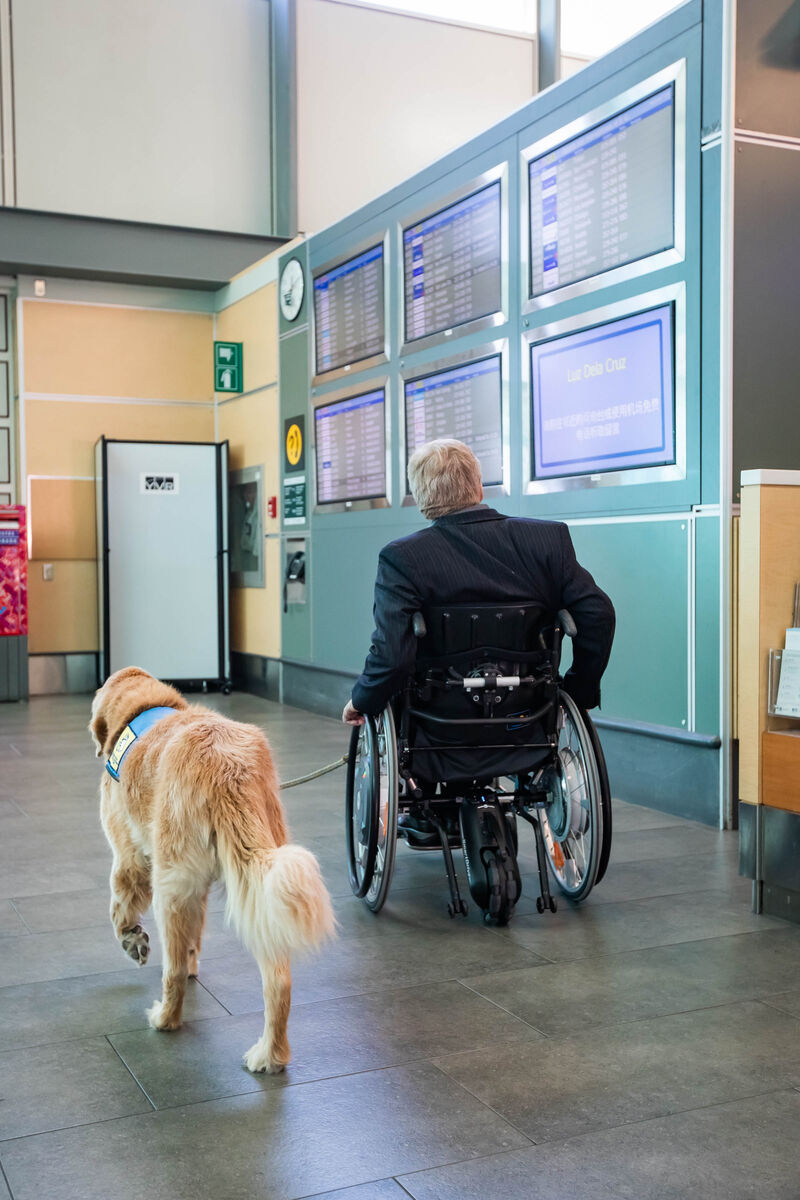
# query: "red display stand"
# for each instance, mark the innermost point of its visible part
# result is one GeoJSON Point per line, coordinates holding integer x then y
{"type": "Point", "coordinates": [13, 603]}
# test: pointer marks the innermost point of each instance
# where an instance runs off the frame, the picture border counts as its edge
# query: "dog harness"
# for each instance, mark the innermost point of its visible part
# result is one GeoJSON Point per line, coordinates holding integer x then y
{"type": "Point", "coordinates": [139, 725]}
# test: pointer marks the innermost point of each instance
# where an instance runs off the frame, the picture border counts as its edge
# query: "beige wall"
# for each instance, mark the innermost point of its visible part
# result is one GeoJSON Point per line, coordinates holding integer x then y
{"type": "Point", "coordinates": [153, 111]}
{"type": "Point", "coordinates": [382, 94]}
{"type": "Point", "coordinates": [89, 370]}
{"type": "Point", "coordinates": [250, 423]}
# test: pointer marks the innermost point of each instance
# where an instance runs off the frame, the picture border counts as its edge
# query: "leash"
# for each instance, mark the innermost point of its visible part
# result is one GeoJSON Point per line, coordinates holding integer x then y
{"type": "Point", "coordinates": [334, 766]}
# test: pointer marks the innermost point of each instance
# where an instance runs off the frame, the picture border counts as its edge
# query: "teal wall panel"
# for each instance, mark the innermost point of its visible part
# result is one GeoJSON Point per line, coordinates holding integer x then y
{"type": "Point", "coordinates": [707, 625]}
{"type": "Point", "coordinates": [644, 567]}
{"type": "Point", "coordinates": [710, 326]}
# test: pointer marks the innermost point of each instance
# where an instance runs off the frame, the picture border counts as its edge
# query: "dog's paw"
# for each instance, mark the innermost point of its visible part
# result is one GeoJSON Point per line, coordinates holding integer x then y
{"type": "Point", "coordinates": [159, 1019]}
{"type": "Point", "coordinates": [136, 944]}
{"type": "Point", "coordinates": [258, 1060]}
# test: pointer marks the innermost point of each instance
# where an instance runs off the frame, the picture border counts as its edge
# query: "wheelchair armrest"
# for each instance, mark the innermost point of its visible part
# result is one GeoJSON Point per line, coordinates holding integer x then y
{"type": "Point", "coordinates": [418, 625]}
{"type": "Point", "coordinates": [567, 623]}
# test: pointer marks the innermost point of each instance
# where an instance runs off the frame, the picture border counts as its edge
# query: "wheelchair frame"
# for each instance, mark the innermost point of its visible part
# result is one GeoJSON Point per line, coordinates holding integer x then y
{"type": "Point", "coordinates": [386, 795]}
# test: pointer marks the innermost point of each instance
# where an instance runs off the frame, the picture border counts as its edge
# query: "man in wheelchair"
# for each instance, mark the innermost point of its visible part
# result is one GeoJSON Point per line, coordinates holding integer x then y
{"type": "Point", "coordinates": [461, 720]}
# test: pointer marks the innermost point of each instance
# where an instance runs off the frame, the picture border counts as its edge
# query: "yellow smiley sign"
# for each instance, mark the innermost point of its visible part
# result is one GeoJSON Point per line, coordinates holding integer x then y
{"type": "Point", "coordinates": [294, 444]}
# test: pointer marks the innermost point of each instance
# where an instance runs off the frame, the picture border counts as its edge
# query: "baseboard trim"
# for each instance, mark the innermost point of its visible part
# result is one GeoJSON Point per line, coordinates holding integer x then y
{"type": "Point", "coordinates": [63, 674]}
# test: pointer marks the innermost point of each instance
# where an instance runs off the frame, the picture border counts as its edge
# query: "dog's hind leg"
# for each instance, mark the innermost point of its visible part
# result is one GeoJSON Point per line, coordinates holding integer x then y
{"type": "Point", "coordinates": [196, 940]}
{"type": "Point", "coordinates": [271, 1052]}
{"type": "Point", "coordinates": [179, 916]}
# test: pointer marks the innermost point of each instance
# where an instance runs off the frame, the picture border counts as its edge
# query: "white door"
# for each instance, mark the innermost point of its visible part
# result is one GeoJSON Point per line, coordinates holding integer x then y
{"type": "Point", "coordinates": [162, 562]}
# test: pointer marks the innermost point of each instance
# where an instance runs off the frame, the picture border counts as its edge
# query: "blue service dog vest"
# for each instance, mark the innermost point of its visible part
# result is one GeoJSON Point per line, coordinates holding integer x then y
{"type": "Point", "coordinates": [139, 725]}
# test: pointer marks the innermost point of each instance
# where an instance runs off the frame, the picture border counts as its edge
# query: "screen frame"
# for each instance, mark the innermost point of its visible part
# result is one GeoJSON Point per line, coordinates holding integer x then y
{"type": "Point", "coordinates": [674, 294]}
{"type": "Point", "coordinates": [497, 349]}
{"type": "Point", "coordinates": [491, 320]}
{"type": "Point", "coordinates": [357, 364]}
{"type": "Point", "coordinates": [363, 388]}
{"type": "Point", "coordinates": [673, 75]}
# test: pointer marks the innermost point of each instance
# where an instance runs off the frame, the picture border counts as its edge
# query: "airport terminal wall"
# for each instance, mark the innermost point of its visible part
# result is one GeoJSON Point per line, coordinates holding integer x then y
{"type": "Point", "coordinates": [654, 545]}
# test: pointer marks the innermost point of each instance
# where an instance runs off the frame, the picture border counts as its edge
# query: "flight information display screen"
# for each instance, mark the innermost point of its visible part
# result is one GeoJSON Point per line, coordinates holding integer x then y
{"type": "Point", "coordinates": [604, 198]}
{"type": "Point", "coordinates": [462, 402]}
{"type": "Point", "coordinates": [351, 448]}
{"type": "Point", "coordinates": [452, 265]}
{"type": "Point", "coordinates": [348, 311]}
{"type": "Point", "coordinates": [603, 398]}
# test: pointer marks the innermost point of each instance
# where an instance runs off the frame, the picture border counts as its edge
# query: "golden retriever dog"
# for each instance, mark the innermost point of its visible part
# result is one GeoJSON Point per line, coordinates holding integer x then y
{"type": "Point", "coordinates": [197, 800]}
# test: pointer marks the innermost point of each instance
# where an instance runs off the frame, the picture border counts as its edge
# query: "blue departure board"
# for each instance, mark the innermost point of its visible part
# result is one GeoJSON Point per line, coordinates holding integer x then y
{"type": "Point", "coordinates": [604, 198]}
{"type": "Point", "coordinates": [348, 311]}
{"type": "Point", "coordinates": [603, 398]}
{"type": "Point", "coordinates": [463, 402]}
{"type": "Point", "coordinates": [351, 448]}
{"type": "Point", "coordinates": [452, 265]}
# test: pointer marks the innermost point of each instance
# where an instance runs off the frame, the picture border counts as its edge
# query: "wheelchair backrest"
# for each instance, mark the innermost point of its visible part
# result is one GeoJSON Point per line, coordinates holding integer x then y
{"type": "Point", "coordinates": [457, 630]}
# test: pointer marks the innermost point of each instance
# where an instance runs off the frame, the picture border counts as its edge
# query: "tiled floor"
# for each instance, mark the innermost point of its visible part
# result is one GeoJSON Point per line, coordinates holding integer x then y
{"type": "Point", "coordinates": [644, 1045]}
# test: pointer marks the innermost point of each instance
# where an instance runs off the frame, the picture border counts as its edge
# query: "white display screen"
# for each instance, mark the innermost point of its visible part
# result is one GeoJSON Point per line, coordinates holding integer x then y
{"type": "Point", "coordinates": [604, 198]}
{"type": "Point", "coordinates": [351, 448]}
{"type": "Point", "coordinates": [452, 265]}
{"type": "Point", "coordinates": [348, 311]}
{"type": "Point", "coordinates": [463, 402]}
{"type": "Point", "coordinates": [603, 398]}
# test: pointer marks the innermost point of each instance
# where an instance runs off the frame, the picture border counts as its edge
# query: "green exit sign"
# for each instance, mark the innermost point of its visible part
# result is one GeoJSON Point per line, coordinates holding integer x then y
{"type": "Point", "coordinates": [228, 367]}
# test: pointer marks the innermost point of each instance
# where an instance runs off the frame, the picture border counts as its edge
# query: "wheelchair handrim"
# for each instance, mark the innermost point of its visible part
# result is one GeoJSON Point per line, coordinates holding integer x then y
{"type": "Point", "coordinates": [574, 860]}
{"type": "Point", "coordinates": [386, 834]}
{"type": "Point", "coordinates": [360, 781]}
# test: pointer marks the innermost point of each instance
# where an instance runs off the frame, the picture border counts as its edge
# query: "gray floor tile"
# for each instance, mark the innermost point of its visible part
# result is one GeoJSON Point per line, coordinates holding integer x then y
{"type": "Point", "coordinates": [562, 998]}
{"type": "Point", "coordinates": [380, 1189]}
{"type": "Point", "coordinates": [351, 966]}
{"type": "Point", "coordinates": [627, 817]}
{"type": "Point", "coordinates": [670, 876]}
{"type": "Point", "coordinates": [740, 1151]}
{"type": "Point", "coordinates": [11, 922]}
{"type": "Point", "coordinates": [335, 1037]}
{"type": "Point", "coordinates": [786, 1001]}
{"type": "Point", "coordinates": [40, 1013]}
{"type": "Point", "coordinates": [582, 931]}
{"type": "Point", "coordinates": [71, 1083]}
{"type": "Point", "coordinates": [671, 842]}
{"type": "Point", "coordinates": [606, 1077]}
{"type": "Point", "coordinates": [284, 1144]}
{"type": "Point", "coordinates": [373, 1009]}
{"type": "Point", "coordinates": [43, 914]}
{"type": "Point", "coordinates": [71, 951]}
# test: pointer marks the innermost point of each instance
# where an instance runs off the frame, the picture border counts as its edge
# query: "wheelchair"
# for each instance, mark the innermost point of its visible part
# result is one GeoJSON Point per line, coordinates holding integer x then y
{"type": "Point", "coordinates": [481, 737]}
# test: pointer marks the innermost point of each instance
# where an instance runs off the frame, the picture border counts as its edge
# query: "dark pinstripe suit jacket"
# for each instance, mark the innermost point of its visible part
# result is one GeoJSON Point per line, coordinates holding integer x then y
{"type": "Point", "coordinates": [479, 556]}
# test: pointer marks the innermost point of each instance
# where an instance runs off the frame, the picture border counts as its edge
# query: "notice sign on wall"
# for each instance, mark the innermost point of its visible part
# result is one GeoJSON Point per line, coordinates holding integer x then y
{"type": "Point", "coordinates": [228, 367]}
{"type": "Point", "coordinates": [294, 500]}
{"type": "Point", "coordinates": [294, 445]}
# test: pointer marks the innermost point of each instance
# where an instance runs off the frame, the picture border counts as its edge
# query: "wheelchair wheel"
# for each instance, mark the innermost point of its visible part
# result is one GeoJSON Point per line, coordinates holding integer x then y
{"type": "Point", "coordinates": [605, 796]}
{"type": "Point", "coordinates": [572, 822]}
{"type": "Point", "coordinates": [362, 807]}
{"type": "Point", "coordinates": [387, 801]}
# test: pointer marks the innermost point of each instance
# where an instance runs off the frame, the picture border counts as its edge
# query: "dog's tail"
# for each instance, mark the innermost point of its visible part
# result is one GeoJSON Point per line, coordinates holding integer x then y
{"type": "Point", "coordinates": [277, 900]}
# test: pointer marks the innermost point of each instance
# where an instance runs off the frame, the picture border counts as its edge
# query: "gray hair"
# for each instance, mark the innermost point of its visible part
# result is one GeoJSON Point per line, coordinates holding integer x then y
{"type": "Point", "coordinates": [444, 476]}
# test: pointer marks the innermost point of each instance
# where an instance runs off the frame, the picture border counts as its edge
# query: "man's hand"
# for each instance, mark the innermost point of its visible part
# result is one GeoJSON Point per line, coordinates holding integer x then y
{"type": "Point", "coordinates": [351, 715]}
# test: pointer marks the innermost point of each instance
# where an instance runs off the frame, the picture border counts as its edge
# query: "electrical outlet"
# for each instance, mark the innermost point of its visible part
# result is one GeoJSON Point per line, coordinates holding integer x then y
{"type": "Point", "coordinates": [39, 287]}
{"type": "Point", "coordinates": [47, 572]}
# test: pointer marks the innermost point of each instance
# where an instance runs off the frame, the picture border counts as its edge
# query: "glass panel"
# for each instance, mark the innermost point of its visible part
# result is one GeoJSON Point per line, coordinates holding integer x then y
{"type": "Point", "coordinates": [589, 29]}
{"type": "Point", "coordinates": [516, 15]}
